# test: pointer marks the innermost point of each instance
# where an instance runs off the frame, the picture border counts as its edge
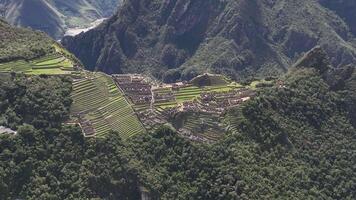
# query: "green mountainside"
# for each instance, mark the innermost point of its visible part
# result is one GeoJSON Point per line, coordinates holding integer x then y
{"type": "Point", "coordinates": [240, 38]}
{"type": "Point", "coordinates": [20, 43]}
{"type": "Point", "coordinates": [34, 53]}
{"type": "Point", "coordinates": [56, 16]}
{"type": "Point", "coordinates": [292, 141]}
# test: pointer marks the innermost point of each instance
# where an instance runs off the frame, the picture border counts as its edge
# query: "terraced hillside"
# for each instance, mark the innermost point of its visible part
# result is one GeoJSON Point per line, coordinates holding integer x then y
{"type": "Point", "coordinates": [196, 112]}
{"type": "Point", "coordinates": [59, 62]}
{"type": "Point", "coordinates": [191, 93]}
{"type": "Point", "coordinates": [101, 107]}
{"type": "Point", "coordinates": [206, 127]}
{"type": "Point", "coordinates": [54, 64]}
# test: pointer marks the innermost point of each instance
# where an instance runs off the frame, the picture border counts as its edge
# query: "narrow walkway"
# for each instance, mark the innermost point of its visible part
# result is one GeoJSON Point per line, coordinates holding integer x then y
{"type": "Point", "coordinates": [152, 99]}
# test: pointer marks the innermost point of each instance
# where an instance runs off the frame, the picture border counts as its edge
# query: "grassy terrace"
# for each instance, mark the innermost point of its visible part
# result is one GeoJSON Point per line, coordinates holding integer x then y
{"type": "Point", "coordinates": [141, 107]}
{"type": "Point", "coordinates": [105, 106]}
{"type": "Point", "coordinates": [54, 64]}
{"type": "Point", "coordinates": [188, 94]}
{"type": "Point", "coordinates": [204, 125]}
{"type": "Point", "coordinates": [58, 63]}
{"type": "Point", "coordinates": [191, 93]}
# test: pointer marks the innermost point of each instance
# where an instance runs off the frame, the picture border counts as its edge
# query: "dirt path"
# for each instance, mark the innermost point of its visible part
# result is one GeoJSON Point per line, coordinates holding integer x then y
{"type": "Point", "coordinates": [76, 31]}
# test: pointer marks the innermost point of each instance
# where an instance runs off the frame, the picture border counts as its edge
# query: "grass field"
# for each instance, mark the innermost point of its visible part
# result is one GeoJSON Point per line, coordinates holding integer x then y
{"type": "Point", "coordinates": [105, 106]}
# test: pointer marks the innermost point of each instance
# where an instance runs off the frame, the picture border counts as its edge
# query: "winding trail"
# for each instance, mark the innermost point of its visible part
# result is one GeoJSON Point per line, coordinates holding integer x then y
{"type": "Point", "coordinates": [152, 99]}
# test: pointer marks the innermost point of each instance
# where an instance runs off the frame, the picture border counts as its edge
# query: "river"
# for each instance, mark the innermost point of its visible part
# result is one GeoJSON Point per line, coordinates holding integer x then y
{"type": "Point", "coordinates": [76, 31]}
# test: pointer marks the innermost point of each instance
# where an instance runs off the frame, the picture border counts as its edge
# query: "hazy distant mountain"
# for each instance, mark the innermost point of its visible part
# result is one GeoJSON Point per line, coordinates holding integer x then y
{"type": "Point", "coordinates": [181, 38]}
{"type": "Point", "coordinates": [55, 16]}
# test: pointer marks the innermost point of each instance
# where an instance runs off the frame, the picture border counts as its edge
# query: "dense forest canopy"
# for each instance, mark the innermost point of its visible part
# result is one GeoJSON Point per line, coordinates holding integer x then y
{"type": "Point", "coordinates": [295, 141]}
{"type": "Point", "coordinates": [21, 43]}
{"type": "Point", "coordinates": [48, 160]}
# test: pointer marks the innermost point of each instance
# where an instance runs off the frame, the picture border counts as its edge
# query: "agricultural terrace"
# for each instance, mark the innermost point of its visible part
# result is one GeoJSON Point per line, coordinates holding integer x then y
{"type": "Point", "coordinates": [202, 101]}
{"type": "Point", "coordinates": [190, 93]}
{"type": "Point", "coordinates": [59, 63]}
{"type": "Point", "coordinates": [202, 127]}
{"type": "Point", "coordinates": [101, 107]}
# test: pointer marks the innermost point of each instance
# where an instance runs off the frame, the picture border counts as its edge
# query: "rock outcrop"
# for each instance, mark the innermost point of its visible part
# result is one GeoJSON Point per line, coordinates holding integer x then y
{"type": "Point", "coordinates": [239, 38]}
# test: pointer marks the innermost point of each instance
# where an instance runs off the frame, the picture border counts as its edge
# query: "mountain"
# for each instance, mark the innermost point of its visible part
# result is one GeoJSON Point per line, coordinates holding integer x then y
{"type": "Point", "coordinates": [292, 141]}
{"type": "Point", "coordinates": [56, 16]}
{"type": "Point", "coordinates": [240, 38]}
{"type": "Point", "coordinates": [21, 43]}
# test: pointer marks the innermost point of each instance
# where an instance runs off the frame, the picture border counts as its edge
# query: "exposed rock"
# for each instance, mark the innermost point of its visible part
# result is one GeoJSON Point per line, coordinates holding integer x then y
{"type": "Point", "coordinates": [238, 38]}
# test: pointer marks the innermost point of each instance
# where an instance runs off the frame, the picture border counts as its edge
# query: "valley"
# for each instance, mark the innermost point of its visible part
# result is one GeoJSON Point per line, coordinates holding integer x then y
{"type": "Point", "coordinates": [178, 100]}
{"type": "Point", "coordinates": [57, 17]}
{"type": "Point", "coordinates": [175, 40]}
{"type": "Point", "coordinates": [80, 29]}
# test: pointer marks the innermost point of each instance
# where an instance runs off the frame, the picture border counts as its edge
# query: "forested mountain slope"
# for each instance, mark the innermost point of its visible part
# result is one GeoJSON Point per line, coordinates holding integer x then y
{"type": "Point", "coordinates": [182, 38]}
{"type": "Point", "coordinates": [55, 16]}
{"type": "Point", "coordinates": [49, 160]}
{"type": "Point", "coordinates": [20, 43]}
{"type": "Point", "coordinates": [294, 141]}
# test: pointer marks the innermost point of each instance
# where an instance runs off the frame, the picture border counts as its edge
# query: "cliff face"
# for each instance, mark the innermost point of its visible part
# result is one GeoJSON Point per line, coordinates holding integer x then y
{"type": "Point", "coordinates": [174, 39]}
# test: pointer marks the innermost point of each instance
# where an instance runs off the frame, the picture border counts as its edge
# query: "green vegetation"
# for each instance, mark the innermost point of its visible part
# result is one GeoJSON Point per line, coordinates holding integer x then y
{"type": "Point", "coordinates": [54, 64]}
{"type": "Point", "coordinates": [292, 142]}
{"type": "Point", "coordinates": [209, 80]}
{"type": "Point", "coordinates": [46, 160]}
{"type": "Point", "coordinates": [240, 39]}
{"type": "Point", "coordinates": [59, 63]}
{"type": "Point", "coordinates": [22, 44]}
{"type": "Point", "coordinates": [188, 93]}
{"type": "Point", "coordinates": [201, 125]}
{"type": "Point", "coordinates": [192, 93]}
{"type": "Point", "coordinates": [22, 101]}
{"type": "Point", "coordinates": [165, 105]}
{"type": "Point", "coordinates": [295, 142]}
{"type": "Point", "coordinates": [105, 106]}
